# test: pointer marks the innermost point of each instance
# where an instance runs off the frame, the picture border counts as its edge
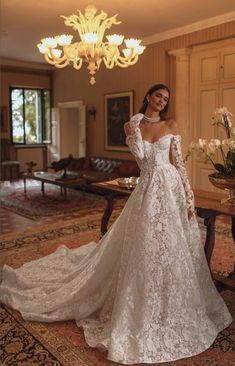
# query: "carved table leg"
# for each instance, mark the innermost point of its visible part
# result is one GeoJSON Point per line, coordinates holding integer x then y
{"type": "Point", "coordinates": [209, 222]}
{"type": "Point", "coordinates": [209, 217]}
{"type": "Point", "coordinates": [107, 213]}
{"type": "Point", "coordinates": [24, 185]}
{"type": "Point", "coordinates": [233, 228]}
{"type": "Point", "coordinates": [232, 274]}
{"type": "Point", "coordinates": [43, 189]}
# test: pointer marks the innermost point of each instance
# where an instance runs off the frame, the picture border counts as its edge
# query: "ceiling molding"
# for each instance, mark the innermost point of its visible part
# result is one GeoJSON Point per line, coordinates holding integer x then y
{"type": "Point", "coordinates": [194, 27]}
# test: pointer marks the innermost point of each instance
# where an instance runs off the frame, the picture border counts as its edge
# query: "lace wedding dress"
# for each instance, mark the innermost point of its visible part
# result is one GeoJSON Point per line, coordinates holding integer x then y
{"type": "Point", "coordinates": [144, 292]}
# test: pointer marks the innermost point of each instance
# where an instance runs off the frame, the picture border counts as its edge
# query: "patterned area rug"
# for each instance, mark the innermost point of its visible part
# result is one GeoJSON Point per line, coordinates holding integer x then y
{"type": "Point", "coordinates": [33, 205]}
{"type": "Point", "coordinates": [62, 343]}
{"type": "Point", "coordinates": [223, 257]}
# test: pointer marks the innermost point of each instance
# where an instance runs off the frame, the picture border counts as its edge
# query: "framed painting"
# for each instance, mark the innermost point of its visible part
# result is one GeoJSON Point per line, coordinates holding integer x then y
{"type": "Point", "coordinates": [3, 119]}
{"type": "Point", "coordinates": [118, 110]}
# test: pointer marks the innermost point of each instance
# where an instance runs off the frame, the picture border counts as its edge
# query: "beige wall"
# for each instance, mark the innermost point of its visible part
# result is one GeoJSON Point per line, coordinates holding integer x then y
{"type": "Point", "coordinates": [153, 66]}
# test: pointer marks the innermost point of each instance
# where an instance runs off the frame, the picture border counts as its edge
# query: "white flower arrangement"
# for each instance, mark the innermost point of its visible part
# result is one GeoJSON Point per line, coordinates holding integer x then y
{"type": "Point", "coordinates": [208, 148]}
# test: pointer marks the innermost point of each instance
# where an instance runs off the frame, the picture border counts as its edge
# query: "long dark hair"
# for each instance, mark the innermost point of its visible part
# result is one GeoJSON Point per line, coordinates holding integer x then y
{"type": "Point", "coordinates": [151, 91]}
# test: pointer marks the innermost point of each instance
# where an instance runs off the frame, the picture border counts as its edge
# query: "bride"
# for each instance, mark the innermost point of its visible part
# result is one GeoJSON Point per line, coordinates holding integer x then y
{"type": "Point", "coordinates": [144, 293]}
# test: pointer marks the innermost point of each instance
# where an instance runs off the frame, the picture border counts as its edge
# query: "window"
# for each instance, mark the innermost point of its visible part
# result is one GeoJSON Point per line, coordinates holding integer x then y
{"type": "Point", "coordinates": [30, 116]}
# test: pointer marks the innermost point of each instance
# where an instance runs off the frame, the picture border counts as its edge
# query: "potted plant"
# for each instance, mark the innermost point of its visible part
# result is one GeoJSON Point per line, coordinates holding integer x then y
{"type": "Point", "coordinates": [219, 153]}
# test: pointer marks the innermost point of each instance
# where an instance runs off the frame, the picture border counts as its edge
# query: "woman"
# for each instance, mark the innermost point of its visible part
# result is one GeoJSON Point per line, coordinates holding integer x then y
{"type": "Point", "coordinates": [145, 293]}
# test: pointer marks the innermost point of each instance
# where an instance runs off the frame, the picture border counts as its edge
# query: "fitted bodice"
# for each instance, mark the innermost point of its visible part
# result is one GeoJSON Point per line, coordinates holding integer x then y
{"type": "Point", "coordinates": [155, 157]}
{"type": "Point", "coordinates": [157, 153]}
{"type": "Point", "coordinates": [149, 156]}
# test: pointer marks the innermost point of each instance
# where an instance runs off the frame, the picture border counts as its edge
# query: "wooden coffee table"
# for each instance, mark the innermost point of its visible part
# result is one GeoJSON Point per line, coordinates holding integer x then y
{"type": "Point", "coordinates": [208, 206]}
{"type": "Point", "coordinates": [110, 190]}
{"type": "Point", "coordinates": [52, 178]}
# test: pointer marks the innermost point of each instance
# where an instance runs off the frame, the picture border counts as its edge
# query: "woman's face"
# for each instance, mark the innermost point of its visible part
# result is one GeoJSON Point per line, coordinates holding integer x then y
{"type": "Point", "coordinates": [158, 100]}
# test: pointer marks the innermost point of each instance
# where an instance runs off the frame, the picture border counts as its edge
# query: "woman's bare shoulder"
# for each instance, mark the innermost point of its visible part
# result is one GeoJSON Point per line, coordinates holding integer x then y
{"type": "Point", "coordinates": [127, 128]}
{"type": "Point", "coordinates": [173, 126]}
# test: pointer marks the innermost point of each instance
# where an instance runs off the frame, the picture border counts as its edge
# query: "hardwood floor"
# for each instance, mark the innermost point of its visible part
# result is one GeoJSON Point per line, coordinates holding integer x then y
{"type": "Point", "coordinates": [11, 222]}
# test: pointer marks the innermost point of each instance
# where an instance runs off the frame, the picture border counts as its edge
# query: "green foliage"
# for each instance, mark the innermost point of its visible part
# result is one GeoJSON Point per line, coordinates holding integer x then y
{"type": "Point", "coordinates": [32, 106]}
{"type": "Point", "coordinates": [30, 113]}
{"type": "Point", "coordinates": [220, 168]}
{"type": "Point", "coordinates": [231, 158]}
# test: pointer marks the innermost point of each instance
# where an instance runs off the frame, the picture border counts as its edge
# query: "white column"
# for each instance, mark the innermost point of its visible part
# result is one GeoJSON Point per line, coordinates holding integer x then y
{"type": "Point", "coordinates": [182, 91]}
{"type": "Point", "coordinates": [182, 99]}
{"type": "Point", "coordinates": [54, 147]}
{"type": "Point", "coordinates": [82, 132]}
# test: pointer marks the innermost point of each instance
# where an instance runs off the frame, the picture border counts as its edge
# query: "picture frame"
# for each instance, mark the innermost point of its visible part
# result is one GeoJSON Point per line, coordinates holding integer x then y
{"type": "Point", "coordinates": [3, 119]}
{"type": "Point", "coordinates": [118, 110]}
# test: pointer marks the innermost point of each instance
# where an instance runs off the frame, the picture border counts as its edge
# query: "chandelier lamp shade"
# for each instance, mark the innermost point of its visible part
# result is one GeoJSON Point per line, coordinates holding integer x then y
{"type": "Point", "coordinates": [92, 48]}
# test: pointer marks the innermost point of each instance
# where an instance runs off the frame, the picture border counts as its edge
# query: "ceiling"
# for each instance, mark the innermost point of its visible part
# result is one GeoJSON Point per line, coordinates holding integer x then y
{"type": "Point", "coordinates": [25, 22]}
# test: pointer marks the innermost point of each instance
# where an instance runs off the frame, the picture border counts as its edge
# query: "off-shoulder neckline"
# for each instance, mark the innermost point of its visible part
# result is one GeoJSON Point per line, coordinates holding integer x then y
{"type": "Point", "coordinates": [154, 142]}
{"type": "Point", "coordinates": [160, 138]}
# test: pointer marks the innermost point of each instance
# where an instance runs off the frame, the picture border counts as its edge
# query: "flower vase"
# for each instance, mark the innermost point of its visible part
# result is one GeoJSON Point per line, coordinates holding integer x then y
{"type": "Point", "coordinates": [225, 183]}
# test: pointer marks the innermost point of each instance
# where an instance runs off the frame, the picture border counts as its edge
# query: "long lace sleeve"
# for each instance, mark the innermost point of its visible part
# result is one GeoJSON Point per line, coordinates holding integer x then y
{"type": "Point", "coordinates": [134, 140]}
{"type": "Point", "coordinates": [179, 164]}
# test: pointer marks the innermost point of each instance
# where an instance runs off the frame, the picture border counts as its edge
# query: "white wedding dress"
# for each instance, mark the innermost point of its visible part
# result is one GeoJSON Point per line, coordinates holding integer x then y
{"type": "Point", "coordinates": [144, 292]}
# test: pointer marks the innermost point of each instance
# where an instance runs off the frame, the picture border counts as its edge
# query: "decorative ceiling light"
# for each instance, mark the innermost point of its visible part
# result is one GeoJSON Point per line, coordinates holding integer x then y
{"type": "Point", "coordinates": [60, 52]}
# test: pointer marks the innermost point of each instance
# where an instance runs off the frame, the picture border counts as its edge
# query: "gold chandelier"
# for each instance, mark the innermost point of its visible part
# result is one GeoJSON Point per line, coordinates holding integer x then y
{"type": "Point", "coordinates": [60, 52]}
